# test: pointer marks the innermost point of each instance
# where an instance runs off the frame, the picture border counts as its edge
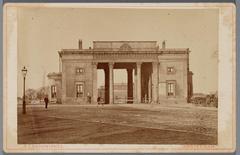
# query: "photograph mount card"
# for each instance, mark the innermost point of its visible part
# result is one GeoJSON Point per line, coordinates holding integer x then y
{"type": "Point", "coordinates": [144, 77]}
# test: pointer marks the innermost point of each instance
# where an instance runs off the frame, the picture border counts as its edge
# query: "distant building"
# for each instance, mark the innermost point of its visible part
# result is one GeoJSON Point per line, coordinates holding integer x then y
{"type": "Point", "coordinates": [120, 92]}
{"type": "Point", "coordinates": [160, 74]}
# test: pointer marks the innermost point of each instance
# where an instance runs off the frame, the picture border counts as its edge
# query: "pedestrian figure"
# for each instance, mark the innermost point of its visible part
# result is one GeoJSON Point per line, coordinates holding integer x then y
{"type": "Point", "coordinates": [101, 101]}
{"type": "Point", "coordinates": [88, 98]}
{"type": "Point", "coordinates": [46, 101]}
{"type": "Point", "coordinates": [98, 100]}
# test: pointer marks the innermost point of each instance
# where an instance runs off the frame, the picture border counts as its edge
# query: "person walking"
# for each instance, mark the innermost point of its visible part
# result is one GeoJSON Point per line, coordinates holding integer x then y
{"type": "Point", "coordinates": [46, 101]}
{"type": "Point", "coordinates": [89, 98]}
{"type": "Point", "coordinates": [98, 100]}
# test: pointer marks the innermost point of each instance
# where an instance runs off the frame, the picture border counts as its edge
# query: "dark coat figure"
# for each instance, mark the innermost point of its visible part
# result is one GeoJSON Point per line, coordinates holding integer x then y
{"type": "Point", "coordinates": [46, 102]}
{"type": "Point", "coordinates": [98, 100]}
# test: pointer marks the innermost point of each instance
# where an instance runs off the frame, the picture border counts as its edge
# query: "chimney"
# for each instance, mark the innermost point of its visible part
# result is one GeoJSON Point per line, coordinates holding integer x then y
{"type": "Point", "coordinates": [164, 44]}
{"type": "Point", "coordinates": [79, 44]}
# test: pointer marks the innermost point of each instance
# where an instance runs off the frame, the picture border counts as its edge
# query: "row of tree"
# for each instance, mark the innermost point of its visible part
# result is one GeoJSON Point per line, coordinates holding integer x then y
{"type": "Point", "coordinates": [207, 100]}
{"type": "Point", "coordinates": [36, 94]}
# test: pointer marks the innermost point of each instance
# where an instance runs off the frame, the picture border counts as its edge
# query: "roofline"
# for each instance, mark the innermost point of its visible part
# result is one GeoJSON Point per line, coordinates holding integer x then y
{"type": "Point", "coordinates": [159, 52]}
{"type": "Point", "coordinates": [109, 49]}
{"type": "Point", "coordinates": [123, 41]}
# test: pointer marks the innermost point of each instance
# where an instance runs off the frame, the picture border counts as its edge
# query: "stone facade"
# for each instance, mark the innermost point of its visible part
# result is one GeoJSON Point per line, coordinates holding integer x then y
{"type": "Point", "coordinates": [159, 74]}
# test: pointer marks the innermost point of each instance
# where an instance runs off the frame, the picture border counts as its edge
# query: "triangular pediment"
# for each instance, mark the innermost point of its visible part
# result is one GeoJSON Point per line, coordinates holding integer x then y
{"type": "Point", "coordinates": [125, 47]}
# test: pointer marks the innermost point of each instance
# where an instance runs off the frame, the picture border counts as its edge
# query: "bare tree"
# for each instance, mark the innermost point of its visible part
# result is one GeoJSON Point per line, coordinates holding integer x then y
{"type": "Point", "coordinates": [42, 92]}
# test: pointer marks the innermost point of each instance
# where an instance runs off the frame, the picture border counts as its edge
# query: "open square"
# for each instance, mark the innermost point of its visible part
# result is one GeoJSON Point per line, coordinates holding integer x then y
{"type": "Point", "coordinates": [117, 124]}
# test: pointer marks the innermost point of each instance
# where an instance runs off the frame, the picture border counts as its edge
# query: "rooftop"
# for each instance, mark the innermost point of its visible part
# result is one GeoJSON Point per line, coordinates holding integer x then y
{"type": "Point", "coordinates": [124, 47]}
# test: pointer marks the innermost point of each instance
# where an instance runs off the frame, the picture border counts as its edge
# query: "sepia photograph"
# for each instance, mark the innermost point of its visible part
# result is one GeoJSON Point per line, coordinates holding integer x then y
{"type": "Point", "coordinates": [103, 76]}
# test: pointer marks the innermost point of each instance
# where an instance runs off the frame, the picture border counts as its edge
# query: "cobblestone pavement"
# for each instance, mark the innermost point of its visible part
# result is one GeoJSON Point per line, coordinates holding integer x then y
{"type": "Point", "coordinates": [117, 124]}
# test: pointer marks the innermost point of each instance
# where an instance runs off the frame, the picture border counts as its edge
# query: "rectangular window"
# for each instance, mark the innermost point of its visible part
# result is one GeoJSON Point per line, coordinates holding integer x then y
{"type": "Point", "coordinates": [53, 91]}
{"type": "Point", "coordinates": [79, 90]}
{"type": "Point", "coordinates": [79, 70]}
{"type": "Point", "coordinates": [171, 88]}
{"type": "Point", "coordinates": [170, 69]}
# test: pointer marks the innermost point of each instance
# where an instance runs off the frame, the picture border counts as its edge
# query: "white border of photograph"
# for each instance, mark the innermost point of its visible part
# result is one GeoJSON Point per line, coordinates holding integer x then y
{"type": "Point", "coordinates": [226, 83]}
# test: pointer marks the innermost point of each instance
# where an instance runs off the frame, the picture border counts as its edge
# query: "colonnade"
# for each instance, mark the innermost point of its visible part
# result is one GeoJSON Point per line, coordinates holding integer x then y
{"type": "Point", "coordinates": [151, 90]}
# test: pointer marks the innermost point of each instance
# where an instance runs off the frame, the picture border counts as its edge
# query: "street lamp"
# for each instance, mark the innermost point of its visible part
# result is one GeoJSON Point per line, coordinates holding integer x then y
{"type": "Point", "coordinates": [24, 73]}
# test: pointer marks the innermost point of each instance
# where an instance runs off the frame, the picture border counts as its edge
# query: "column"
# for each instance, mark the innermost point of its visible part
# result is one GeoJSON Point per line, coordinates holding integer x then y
{"type": "Point", "coordinates": [139, 82]}
{"type": "Point", "coordinates": [130, 85]}
{"type": "Point", "coordinates": [59, 67]}
{"type": "Point", "coordinates": [94, 83]}
{"type": "Point", "coordinates": [106, 71]}
{"type": "Point", "coordinates": [150, 88]}
{"type": "Point", "coordinates": [64, 84]}
{"type": "Point", "coordinates": [155, 82]}
{"type": "Point", "coordinates": [111, 95]}
{"type": "Point", "coordinates": [135, 85]}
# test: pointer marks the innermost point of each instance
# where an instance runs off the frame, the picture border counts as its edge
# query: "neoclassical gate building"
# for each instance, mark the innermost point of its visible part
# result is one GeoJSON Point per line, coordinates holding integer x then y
{"type": "Point", "coordinates": [154, 74]}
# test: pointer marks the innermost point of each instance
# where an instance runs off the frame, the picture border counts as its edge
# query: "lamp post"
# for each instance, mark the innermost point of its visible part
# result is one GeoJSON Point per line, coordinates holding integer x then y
{"type": "Point", "coordinates": [24, 73]}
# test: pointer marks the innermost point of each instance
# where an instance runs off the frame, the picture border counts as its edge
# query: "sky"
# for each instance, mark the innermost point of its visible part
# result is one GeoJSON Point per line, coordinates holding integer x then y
{"type": "Point", "coordinates": [42, 32]}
